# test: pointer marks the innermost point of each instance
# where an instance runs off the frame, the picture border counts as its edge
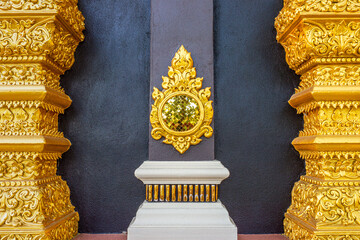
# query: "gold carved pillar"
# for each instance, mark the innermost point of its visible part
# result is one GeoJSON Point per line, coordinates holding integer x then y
{"type": "Point", "coordinates": [37, 43]}
{"type": "Point", "coordinates": [322, 43]}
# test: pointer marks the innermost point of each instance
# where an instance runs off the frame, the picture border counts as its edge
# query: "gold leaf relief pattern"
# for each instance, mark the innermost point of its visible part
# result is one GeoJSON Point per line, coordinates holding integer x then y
{"type": "Point", "coordinates": [29, 37]}
{"type": "Point", "coordinates": [65, 231]}
{"type": "Point", "coordinates": [17, 75]}
{"type": "Point", "coordinates": [332, 121]}
{"type": "Point", "coordinates": [26, 166]}
{"type": "Point", "coordinates": [65, 45]}
{"type": "Point", "coordinates": [182, 80]}
{"type": "Point", "coordinates": [337, 38]}
{"type": "Point", "coordinates": [341, 75]}
{"type": "Point", "coordinates": [333, 168]}
{"type": "Point", "coordinates": [25, 121]}
{"type": "Point", "coordinates": [68, 9]}
{"type": "Point", "coordinates": [324, 206]}
{"type": "Point", "coordinates": [321, 39]}
{"type": "Point", "coordinates": [293, 8]}
{"type": "Point", "coordinates": [308, 107]}
{"type": "Point", "coordinates": [31, 104]}
{"type": "Point", "coordinates": [24, 37]}
{"type": "Point", "coordinates": [296, 48]}
{"type": "Point", "coordinates": [333, 39]}
{"type": "Point", "coordinates": [34, 205]}
{"type": "Point", "coordinates": [304, 201]}
{"type": "Point", "coordinates": [294, 231]}
{"type": "Point", "coordinates": [34, 50]}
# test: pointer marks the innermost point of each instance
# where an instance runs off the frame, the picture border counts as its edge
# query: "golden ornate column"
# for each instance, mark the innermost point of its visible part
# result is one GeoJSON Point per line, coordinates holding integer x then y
{"type": "Point", "coordinates": [37, 43]}
{"type": "Point", "coordinates": [322, 43]}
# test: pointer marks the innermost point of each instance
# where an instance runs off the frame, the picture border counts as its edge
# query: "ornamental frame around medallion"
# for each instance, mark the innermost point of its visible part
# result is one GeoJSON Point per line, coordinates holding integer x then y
{"type": "Point", "coordinates": [182, 81]}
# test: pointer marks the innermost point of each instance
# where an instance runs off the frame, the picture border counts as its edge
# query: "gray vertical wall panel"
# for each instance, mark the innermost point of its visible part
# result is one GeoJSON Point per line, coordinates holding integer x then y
{"type": "Point", "coordinates": [175, 23]}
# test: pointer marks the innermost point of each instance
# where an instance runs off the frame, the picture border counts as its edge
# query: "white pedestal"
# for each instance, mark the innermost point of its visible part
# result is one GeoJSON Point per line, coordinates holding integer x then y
{"type": "Point", "coordinates": [182, 221]}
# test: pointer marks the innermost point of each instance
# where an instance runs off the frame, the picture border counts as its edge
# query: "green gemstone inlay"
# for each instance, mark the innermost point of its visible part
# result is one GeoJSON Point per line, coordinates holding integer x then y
{"type": "Point", "coordinates": [181, 113]}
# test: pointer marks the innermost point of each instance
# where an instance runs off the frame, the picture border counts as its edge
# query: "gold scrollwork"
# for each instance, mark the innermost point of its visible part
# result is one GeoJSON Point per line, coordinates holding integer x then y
{"type": "Point", "coordinates": [182, 112]}
{"type": "Point", "coordinates": [38, 39]}
{"type": "Point", "coordinates": [321, 39]}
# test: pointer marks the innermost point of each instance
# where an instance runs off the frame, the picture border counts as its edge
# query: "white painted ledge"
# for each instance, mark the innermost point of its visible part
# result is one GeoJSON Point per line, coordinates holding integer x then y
{"type": "Point", "coordinates": [182, 221]}
{"type": "Point", "coordinates": [182, 172]}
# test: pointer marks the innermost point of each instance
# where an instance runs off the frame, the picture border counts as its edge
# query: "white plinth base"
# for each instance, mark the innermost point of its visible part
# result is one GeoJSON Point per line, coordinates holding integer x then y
{"type": "Point", "coordinates": [182, 221]}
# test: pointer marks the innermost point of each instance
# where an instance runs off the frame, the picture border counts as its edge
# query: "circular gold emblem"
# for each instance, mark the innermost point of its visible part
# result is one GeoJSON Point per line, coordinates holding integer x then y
{"type": "Point", "coordinates": [182, 112]}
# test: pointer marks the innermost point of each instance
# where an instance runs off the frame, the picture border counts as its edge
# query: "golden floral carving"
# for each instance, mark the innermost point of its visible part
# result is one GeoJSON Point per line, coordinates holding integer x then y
{"type": "Point", "coordinates": [67, 9]}
{"type": "Point", "coordinates": [335, 169]}
{"type": "Point", "coordinates": [19, 121]}
{"type": "Point", "coordinates": [307, 107]}
{"type": "Point", "coordinates": [182, 81]}
{"type": "Point", "coordinates": [25, 166]}
{"type": "Point", "coordinates": [30, 37]}
{"type": "Point", "coordinates": [335, 38]}
{"type": "Point", "coordinates": [294, 231]}
{"type": "Point", "coordinates": [324, 206]}
{"type": "Point", "coordinates": [32, 74]}
{"type": "Point", "coordinates": [38, 39]}
{"type": "Point", "coordinates": [332, 121]}
{"type": "Point", "coordinates": [65, 45]}
{"type": "Point", "coordinates": [338, 75]}
{"type": "Point", "coordinates": [34, 205]}
{"type": "Point", "coordinates": [64, 231]}
{"type": "Point", "coordinates": [24, 37]}
{"type": "Point", "coordinates": [294, 8]}
{"type": "Point", "coordinates": [321, 39]}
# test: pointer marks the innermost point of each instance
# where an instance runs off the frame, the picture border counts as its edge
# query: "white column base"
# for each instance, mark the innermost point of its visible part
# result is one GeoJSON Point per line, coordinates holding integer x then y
{"type": "Point", "coordinates": [182, 221]}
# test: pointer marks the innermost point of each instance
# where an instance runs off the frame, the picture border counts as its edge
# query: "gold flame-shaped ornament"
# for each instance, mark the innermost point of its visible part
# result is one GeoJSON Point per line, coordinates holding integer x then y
{"type": "Point", "coordinates": [182, 112]}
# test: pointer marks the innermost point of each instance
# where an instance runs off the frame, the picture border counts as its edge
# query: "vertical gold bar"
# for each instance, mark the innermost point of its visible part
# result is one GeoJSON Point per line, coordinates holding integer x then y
{"type": "Point", "coordinates": [191, 192]}
{"type": "Point", "coordinates": [196, 193]}
{"type": "Point", "coordinates": [173, 193]}
{"type": "Point", "coordinates": [179, 193]}
{"type": "Point", "coordinates": [185, 195]}
{"type": "Point", "coordinates": [167, 193]}
{"type": "Point", "coordinates": [147, 192]}
{"type": "Point", "coordinates": [207, 193]}
{"type": "Point", "coordinates": [156, 193]}
{"type": "Point", "coordinates": [213, 192]}
{"type": "Point", "coordinates": [201, 193]}
{"type": "Point", "coordinates": [162, 193]}
{"type": "Point", "coordinates": [217, 192]}
{"type": "Point", "coordinates": [150, 193]}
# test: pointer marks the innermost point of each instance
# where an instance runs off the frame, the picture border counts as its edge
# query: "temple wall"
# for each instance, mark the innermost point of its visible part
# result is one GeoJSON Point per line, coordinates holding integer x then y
{"type": "Point", "coordinates": [107, 122]}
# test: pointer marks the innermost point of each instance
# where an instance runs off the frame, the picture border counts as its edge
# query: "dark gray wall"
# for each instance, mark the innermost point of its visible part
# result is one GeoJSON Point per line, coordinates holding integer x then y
{"type": "Point", "coordinates": [254, 124]}
{"type": "Point", "coordinates": [108, 120]}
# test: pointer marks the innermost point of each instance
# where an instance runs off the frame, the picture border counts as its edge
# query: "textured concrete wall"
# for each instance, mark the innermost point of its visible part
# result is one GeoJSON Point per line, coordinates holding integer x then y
{"type": "Point", "coordinates": [254, 123]}
{"type": "Point", "coordinates": [108, 120]}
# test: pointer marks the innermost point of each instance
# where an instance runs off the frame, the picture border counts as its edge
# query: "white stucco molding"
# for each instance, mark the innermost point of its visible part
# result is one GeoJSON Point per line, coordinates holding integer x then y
{"type": "Point", "coordinates": [182, 221]}
{"type": "Point", "coordinates": [182, 172]}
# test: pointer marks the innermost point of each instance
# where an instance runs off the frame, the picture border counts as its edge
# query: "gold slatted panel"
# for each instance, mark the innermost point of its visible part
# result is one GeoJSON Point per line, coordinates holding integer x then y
{"type": "Point", "coordinates": [182, 193]}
